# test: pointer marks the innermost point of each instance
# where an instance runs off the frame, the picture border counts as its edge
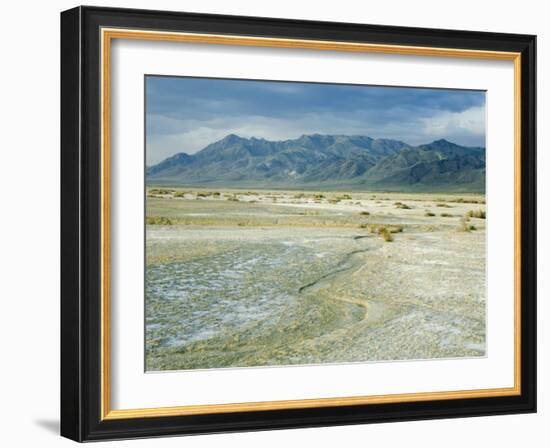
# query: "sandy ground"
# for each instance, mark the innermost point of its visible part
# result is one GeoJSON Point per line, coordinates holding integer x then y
{"type": "Point", "coordinates": [252, 278]}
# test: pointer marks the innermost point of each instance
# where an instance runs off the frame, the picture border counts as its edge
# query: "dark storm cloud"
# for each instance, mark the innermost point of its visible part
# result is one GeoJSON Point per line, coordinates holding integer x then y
{"type": "Point", "coordinates": [185, 114]}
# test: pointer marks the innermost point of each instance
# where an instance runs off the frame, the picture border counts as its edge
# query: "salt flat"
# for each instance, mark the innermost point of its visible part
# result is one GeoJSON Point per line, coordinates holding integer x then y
{"type": "Point", "coordinates": [240, 278]}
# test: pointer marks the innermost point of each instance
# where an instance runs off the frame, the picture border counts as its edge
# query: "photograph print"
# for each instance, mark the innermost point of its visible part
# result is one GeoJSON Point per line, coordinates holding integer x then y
{"type": "Point", "coordinates": [296, 223]}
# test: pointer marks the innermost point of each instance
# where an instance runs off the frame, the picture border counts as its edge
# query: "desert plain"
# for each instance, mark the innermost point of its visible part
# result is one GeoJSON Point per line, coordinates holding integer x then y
{"type": "Point", "coordinates": [242, 278]}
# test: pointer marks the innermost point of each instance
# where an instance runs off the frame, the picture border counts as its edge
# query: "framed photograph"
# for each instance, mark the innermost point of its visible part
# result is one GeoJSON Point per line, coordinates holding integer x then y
{"type": "Point", "coordinates": [274, 223]}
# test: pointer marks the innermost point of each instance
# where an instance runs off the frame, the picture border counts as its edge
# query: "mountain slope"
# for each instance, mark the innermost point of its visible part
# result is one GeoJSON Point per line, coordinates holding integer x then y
{"type": "Point", "coordinates": [326, 160]}
{"type": "Point", "coordinates": [440, 163]}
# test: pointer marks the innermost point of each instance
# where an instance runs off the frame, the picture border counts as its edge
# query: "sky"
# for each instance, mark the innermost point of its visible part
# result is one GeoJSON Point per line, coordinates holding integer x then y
{"type": "Point", "coordinates": [186, 114]}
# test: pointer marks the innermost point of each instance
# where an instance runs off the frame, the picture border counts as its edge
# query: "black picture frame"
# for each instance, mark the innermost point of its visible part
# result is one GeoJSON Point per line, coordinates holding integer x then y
{"type": "Point", "coordinates": [81, 224]}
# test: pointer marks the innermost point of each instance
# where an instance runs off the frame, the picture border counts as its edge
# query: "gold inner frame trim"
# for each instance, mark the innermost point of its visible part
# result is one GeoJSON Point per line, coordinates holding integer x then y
{"type": "Point", "coordinates": [107, 35]}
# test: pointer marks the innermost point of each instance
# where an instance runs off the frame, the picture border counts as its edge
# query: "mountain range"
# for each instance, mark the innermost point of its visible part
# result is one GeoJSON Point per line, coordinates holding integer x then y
{"type": "Point", "coordinates": [327, 161]}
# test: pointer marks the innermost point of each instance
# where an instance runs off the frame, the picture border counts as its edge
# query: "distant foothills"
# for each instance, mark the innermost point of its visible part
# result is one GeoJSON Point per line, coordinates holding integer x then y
{"type": "Point", "coordinates": [327, 162]}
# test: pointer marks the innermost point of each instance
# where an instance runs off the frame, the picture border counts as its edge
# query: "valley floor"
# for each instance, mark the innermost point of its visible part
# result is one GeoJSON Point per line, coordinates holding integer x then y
{"type": "Point", "coordinates": [257, 278]}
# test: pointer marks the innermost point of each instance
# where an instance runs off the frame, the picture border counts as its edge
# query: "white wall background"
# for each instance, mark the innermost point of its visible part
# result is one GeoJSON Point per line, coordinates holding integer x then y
{"type": "Point", "coordinates": [29, 227]}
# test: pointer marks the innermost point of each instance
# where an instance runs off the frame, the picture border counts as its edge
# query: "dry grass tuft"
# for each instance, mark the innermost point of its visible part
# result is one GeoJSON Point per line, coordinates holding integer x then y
{"type": "Point", "coordinates": [465, 226]}
{"type": "Point", "coordinates": [386, 234]}
{"type": "Point", "coordinates": [480, 214]}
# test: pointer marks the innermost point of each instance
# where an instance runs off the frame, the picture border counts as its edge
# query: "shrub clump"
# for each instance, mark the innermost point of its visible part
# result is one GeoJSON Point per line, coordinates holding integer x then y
{"type": "Point", "coordinates": [160, 191]}
{"type": "Point", "coordinates": [468, 201]}
{"type": "Point", "coordinates": [429, 214]}
{"type": "Point", "coordinates": [365, 213]}
{"type": "Point", "coordinates": [381, 228]}
{"type": "Point", "coordinates": [344, 197]}
{"type": "Point", "coordinates": [158, 221]}
{"type": "Point", "coordinates": [446, 215]}
{"type": "Point", "coordinates": [401, 205]}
